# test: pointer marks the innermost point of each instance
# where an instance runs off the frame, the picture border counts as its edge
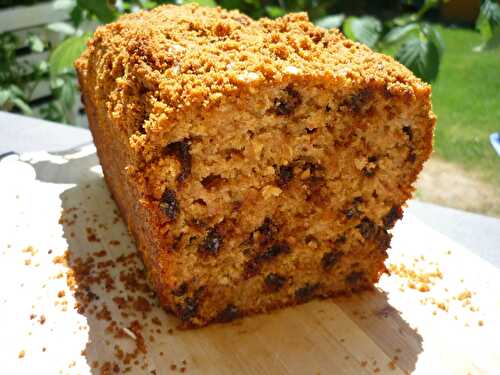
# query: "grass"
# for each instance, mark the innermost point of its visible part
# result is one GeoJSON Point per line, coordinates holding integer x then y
{"type": "Point", "coordinates": [466, 100]}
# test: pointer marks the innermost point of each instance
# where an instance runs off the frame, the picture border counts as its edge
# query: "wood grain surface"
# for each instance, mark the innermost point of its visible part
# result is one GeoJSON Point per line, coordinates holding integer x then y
{"type": "Point", "coordinates": [437, 313]}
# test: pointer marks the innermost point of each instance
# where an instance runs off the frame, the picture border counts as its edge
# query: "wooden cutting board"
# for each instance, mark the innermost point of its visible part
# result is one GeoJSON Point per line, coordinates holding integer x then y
{"type": "Point", "coordinates": [438, 313]}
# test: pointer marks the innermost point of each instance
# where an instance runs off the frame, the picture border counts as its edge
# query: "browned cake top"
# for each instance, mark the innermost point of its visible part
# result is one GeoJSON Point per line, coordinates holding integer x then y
{"type": "Point", "coordinates": [185, 55]}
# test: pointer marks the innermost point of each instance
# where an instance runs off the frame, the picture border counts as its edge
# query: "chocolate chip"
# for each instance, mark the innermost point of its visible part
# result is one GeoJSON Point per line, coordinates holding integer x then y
{"type": "Point", "coordinates": [285, 106]}
{"type": "Point", "coordinates": [330, 259]}
{"type": "Point", "coordinates": [285, 175]}
{"type": "Point", "coordinates": [251, 268]}
{"type": "Point", "coordinates": [188, 309]}
{"type": "Point", "coordinates": [358, 200]}
{"type": "Point", "coordinates": [275, 250]}
{"type": "Point", "coordinates": [268, 230]}
{"type": "Point", "coordinates": [181, 151]}
{"type": "Point", "coordinates": [366, 228]}
{"type": "Point", "coordinates": [274, 282]}
{"type": "Point", "coordinates": [213, 181]}
{"type": "Point", "coordinates": [229, 313]}
{"type": "Point", "coordinates": [341, 240]}
{"type": "Point", "coordinates": [372, 159]}
{"type": "Point", "coordinates": [394, 214]}
{"type": "Point", "coordinates": [383, 239]}
{"type": "Point", "coordinates": [412, 156]}
{"type": "Point", "coordinates": [306, 292]}
{"type": "Point", "coordinates": [211, 243]}
{"type": "Point", "coordinates": [353, 211]}
{"type": "Point", "coordinates": [169, 204]}
{"type": "Point", "coordinates": [358, 102]}
{"type": "Point", "coordinates": [314, 168]}
{"type": "Point", "coordinates": [180, 290]}
{"type": "Point", "coordinates": [354, 277]}
{"type": "Point", "coordinates": [367, 172]}
{"type": "Point", "coordinates": [409, 132]}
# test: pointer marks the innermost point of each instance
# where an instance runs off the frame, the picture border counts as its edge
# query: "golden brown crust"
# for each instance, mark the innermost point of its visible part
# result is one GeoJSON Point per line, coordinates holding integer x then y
{"type": "Point", "coordinates": [178, 57]}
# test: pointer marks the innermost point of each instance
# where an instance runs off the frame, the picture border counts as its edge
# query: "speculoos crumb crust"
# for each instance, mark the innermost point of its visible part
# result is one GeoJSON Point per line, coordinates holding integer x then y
{"type": "Point", "coordinates": [258, 164]}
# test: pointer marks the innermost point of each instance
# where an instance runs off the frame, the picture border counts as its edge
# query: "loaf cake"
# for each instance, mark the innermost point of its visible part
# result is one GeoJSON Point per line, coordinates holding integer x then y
{"type": "Point", "coordinates": [258, 164]}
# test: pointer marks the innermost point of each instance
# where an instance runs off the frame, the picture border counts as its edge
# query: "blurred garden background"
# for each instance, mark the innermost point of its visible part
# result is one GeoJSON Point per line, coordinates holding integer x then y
{"type": "Point", "coordinates": [453, 44]}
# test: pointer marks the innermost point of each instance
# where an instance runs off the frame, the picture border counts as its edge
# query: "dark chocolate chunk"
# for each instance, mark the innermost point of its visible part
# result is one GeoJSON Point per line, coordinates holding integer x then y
{"type": "Point", "coordinates": [251, 268]}
{"type": "Point", "coordinates": [275, 250]}
{"type": "Point", "coordinates": [353, 211]}
{"type": "Point", "coordinates": [212, 243]}
{"type": "Point", "coordinates": [357, 200]}
{"type": "Point", "coordinates": [372, 159]}
{"type": "Point", "coordinates": [229, 313]}
{"type": "Point", "coordinates": [354, 277]}
{"type": "Point", "coordinates": [409, 132]}
{"type": "Point", "coordinates": [268, 230]}
{"type": "Point", "coordinates": [285, 106]}
{"type": "Point", "coordinates": [306, 292]}
{"type": "Point", "coordinates": [330, 259]}
{"type": "Point", "coordinates": [169, 204]}
{"type": "Point", "coordinates": [341, 240]}
{"type": "Point", "coordinates": [213, 181]}
{"type": "Point", "coordinates": [314, 168]}
{"type": "Point", "coordinates": [181, 152]}
{"type": "Point", "coordinates": [358, 102]}
{"type": "Point", "coordinates": [367, 228]}
{"type": "Point", "coordinates": [274, 282]}
{"type": "Point", "coordinates": [394, 214]}
{"type": "Point", "coordinates": [367, 172]}
{"type": "Point", "coordinates": [285, 175]}
{"type": "Point", "coordinates": [180, 290]}
{"type": "Point", "coordinates": [188, 309]}
{"type": "Point", "coordinates": [383, 239]}
{"type": "Point", "coordinates": [412, 156]}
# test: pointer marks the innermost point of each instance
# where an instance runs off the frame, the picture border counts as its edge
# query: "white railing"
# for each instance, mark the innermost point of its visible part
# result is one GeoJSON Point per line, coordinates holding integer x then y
{"type": "Point", "coordinates": [33, 19]}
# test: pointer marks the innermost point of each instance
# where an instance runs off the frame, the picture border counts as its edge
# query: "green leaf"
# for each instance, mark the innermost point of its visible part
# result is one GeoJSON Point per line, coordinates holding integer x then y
{"type": "Point", "coordinates": [100, 8]}
{"type": "Point", "coordinates": [65, 54]}
{"type": "Point", "coordinates": [15, 91]}
{"type": "Point", "coordinates": [365, 29]}
{"type": "Point", "coordinates": [149, 4]}
{"type": "Point", "coordinates": [487, 23]}
{"type": "Point", "coordinates": [205, 3]}
{"type": "Point", "coordinates": [62, 27]}
{"type": "Point", "coordinates": [22, 105]}
{"type": "Point", "coordinates": [76, 16]}
{"type": "Point", "coordinates": [331, 22]}
{"type": "Point", "coordinates": [4, 96]}
{"type": "Point", "coordinates": [400, 33]}
{"type": "Point", "coordinates": [490, 11]}
{"type": "Point", "coordinates": [35, 43]}
{"type": "Point", "coordinates": [420, 55]}
{"type": "Point", "coordinates": [275, 11]}
{"type": "Point", "coordinates": [403, 20]}
{"type": "Point", "coordinates": [434, 36]}
{"type": "Point", "coordinates": [492, 43]}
